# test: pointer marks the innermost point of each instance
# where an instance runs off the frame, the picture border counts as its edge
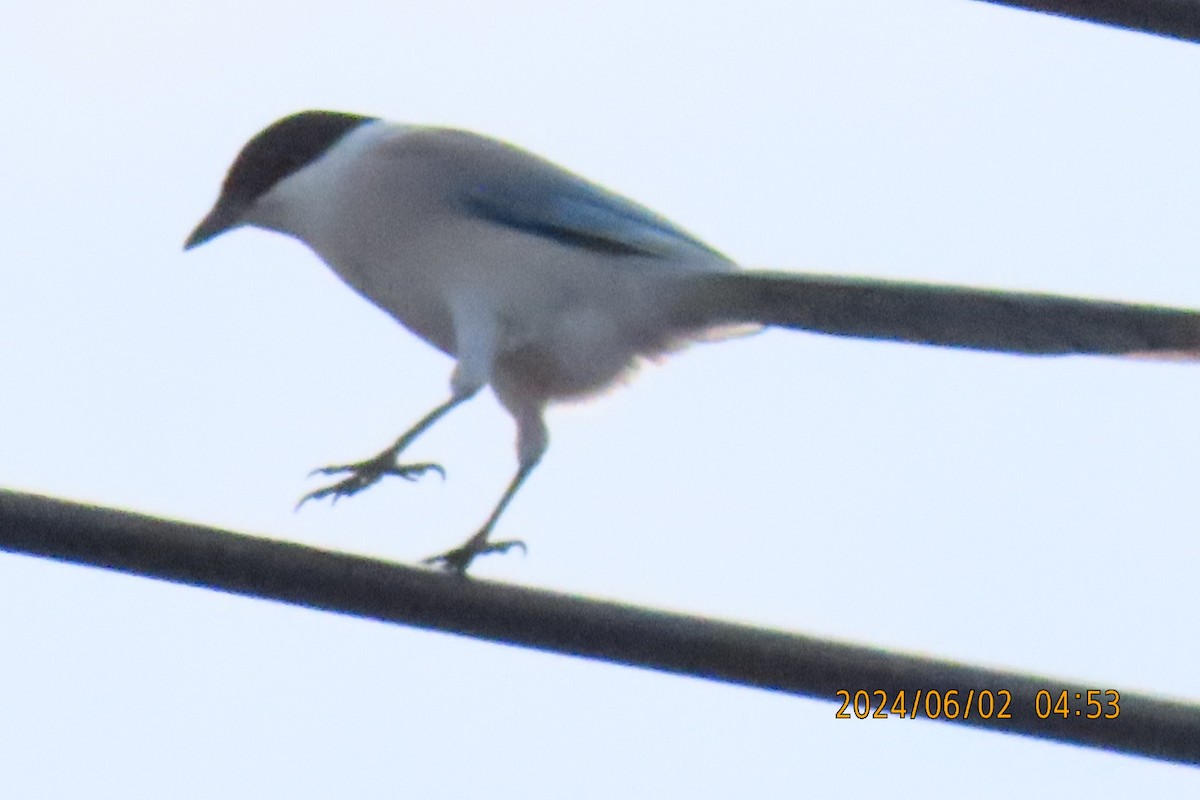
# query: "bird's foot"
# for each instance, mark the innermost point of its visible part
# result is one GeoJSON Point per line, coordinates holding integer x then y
{"type": "Point", "coordinates": [460, 558]}
{"type": "Point", "coordinates": [366, 473]}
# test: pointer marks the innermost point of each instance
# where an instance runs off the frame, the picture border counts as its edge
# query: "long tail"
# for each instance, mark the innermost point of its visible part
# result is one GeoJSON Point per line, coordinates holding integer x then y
{"type": "Point", "coordinates": [945, 316]}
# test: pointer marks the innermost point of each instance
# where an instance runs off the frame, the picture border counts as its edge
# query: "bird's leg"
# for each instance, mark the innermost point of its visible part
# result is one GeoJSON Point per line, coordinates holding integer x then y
{"type": "Point", "coordinates": [460, 558]}
{"type": "Point", "coordinates": [366, 473]}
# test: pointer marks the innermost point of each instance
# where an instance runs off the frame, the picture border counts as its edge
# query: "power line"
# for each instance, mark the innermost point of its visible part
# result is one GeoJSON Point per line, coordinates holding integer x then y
{"type": "Point", "coordinates": [704, 648]}
{"type": "Point", "coordinates": [1179, 19]}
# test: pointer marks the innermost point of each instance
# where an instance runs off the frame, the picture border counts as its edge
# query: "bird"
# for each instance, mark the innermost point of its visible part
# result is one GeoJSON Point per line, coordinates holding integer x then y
{"type": "Point", "coordinates": [547, 287]}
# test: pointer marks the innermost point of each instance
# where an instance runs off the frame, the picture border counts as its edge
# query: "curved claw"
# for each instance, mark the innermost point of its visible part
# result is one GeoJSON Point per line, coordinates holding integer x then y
{"type": "Point", "coordinates": [460, 558]}
{"type": "Point", "coordinates": [410, 472]}
{"type": "Point", "coordinates": [332, 469]}
{"type": "Point", "coordinates": [317, 495]}
{"type": "Point", "coordinates": [337, 490]}
{"type": "Point", "coordinates": [365, 474]}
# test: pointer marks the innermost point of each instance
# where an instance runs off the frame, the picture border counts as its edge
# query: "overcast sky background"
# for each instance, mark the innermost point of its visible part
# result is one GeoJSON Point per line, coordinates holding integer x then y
{"type": "Point", "coordinates": [1030, 514]}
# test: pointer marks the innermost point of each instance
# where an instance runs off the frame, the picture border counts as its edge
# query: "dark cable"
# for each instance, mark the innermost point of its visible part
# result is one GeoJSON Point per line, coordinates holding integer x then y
{"type": "Point", "coordinates": [580, 626]}
{"type": "Point", "coordinates": [1179, 19]}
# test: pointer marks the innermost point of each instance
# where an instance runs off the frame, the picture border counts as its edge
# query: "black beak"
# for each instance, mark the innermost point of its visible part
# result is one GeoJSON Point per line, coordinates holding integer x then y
{"type": "Point", "coordinates": [223, 217]}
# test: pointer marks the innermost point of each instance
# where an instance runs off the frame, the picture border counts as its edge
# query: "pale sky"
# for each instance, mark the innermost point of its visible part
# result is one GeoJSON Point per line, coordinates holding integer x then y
{"type": "Point", "coordinates": [1036, 515]}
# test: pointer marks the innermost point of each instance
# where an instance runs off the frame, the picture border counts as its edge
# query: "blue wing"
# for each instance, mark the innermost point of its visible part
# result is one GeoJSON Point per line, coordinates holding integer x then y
{"type": "Point", "coordinates": [550, 202]}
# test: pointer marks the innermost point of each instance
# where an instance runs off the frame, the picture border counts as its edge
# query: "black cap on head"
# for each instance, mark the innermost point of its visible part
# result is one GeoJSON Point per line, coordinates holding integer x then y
{"type": "Point", "coordinates": [276, 152]}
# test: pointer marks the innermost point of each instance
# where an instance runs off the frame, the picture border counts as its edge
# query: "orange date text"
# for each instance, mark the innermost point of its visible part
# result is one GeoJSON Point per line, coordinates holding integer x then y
{"type": "Point", "coordinates": [929, 703]}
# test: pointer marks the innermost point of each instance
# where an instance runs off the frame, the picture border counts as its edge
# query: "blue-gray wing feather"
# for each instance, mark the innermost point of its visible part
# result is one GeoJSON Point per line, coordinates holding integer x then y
{"type": "Point", "coordinates": [558, 205]}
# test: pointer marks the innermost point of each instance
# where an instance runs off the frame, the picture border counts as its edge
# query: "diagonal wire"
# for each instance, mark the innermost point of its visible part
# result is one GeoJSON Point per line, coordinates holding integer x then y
{"type": "Point", "coordinates": [1178, 19]}
{"type": "Point", "coordinates": [700, 647]}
